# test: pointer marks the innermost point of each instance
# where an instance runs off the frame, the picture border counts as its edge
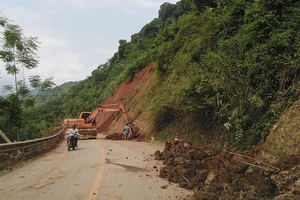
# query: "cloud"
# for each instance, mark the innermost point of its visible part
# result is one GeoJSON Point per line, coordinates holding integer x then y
{"type": "Point", "coordinates": [68, 66]}
{"type": "Point", "coordinates": [76, 35]}
{"type": "Point", "coordinates": [146, 3]}
{"type": "Point", "coordinates": [150, 3]}
{"type": "Point", "coordinates": [81, 3]}
{"type": "Point", "coordinates": [56, 54]}
{"type": "Point", "coordinates": [57, 59]}
{"type": "Point", "coordinates": [18, 14]}
{"type": "Point", "coordinates": [106, 50]}
{"type": "Point", "coordinates": [103, 3]}
{"type": "Point", "coordinates": [48, 41]}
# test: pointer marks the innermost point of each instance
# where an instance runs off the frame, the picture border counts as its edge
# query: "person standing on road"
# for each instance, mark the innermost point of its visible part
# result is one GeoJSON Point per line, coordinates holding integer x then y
{"type": "Point", "coordinates": [126, 131]}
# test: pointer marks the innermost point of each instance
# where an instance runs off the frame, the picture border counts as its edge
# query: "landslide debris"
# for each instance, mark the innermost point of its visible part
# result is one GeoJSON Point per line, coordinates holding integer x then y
{"type": "Point", "coordinates": [115, 136]}
{"type": "Point", "coordinates": [121, 136]}
{"type": "Point", "coordinates": [220, 174]}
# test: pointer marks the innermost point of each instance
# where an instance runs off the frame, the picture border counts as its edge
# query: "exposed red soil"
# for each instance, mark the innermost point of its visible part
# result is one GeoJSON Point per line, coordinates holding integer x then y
{"type": "Point", "coordinates": [223, 174]}
{"type": "Point", "coordinates": [129, 91]}
{"type": "Point", "coordinates": [115, 136]}
{"type": "Point", "coordinates": [213, 174]}
{"type": "Point", "coordinates": [219, 174]}
{"type": "Point", "coordinates": [131, 87]}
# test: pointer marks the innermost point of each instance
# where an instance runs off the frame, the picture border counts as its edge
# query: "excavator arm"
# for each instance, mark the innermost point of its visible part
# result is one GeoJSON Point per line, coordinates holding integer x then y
{"type": "Point", "coordinates": [91, 118]}
{"type": "Point", "coordinates": [108, 108]}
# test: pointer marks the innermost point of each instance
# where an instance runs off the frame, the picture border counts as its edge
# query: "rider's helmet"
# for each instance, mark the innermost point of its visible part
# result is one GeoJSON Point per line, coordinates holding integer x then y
{"type": "Point", "coordinates": [73, 125]}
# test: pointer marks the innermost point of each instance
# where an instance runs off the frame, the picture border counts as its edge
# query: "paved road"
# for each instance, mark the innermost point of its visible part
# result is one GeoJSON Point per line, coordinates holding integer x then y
{"type": "Point", "coordinates": [98, 170]}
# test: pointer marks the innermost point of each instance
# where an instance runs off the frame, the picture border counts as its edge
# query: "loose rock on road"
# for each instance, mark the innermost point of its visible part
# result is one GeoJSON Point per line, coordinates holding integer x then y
{"type": "Point", "coordinates": [98, 170]}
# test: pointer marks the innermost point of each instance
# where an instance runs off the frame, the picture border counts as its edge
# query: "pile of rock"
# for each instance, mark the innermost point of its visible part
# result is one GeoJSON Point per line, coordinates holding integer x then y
{"type": "Point", "coordinates": [115, 136]}
{"type": "Point", "coordinates": [220, 174]}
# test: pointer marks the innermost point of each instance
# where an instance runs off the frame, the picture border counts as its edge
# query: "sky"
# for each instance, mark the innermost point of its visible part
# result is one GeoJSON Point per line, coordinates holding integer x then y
{"type": "Point", "coordinates": [76, 36]}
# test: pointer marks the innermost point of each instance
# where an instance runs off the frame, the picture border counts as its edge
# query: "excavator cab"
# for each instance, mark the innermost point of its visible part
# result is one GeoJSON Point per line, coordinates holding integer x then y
{"type": "Point", "coordinates": [85, 116]}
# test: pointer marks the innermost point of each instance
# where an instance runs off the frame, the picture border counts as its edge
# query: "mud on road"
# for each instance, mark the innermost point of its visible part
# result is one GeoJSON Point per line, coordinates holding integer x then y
{"type": "Point", "coordinates": [98, 169]}
{"type": "Point", "coordinates": [222, 174]}
{"type": "Point", "coordinates": [135, 170]}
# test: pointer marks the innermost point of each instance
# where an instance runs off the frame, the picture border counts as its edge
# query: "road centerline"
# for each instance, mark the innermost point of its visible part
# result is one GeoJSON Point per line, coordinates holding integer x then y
{"type": "Point", "coordinates": [95, 189]}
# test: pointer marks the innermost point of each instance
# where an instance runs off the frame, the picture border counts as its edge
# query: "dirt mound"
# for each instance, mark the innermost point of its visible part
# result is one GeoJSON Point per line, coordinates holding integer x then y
{"type": "Point", "coordinates": [216, 174]}
{"type": "Point", "coordinates": [115, 136]}
{"type": "Point", "coordinates": [121, 136]}
{"type": "Point", "coordinates": [227, 175]}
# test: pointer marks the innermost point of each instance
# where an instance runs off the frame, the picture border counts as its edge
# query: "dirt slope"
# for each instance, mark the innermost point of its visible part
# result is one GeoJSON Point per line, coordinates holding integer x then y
{"type": "Point", "coordinates": [270, 171]}
{"type": "Point", "coordinates": [127, 93]}
{"type": "Point", "coordinates": [284, 137]}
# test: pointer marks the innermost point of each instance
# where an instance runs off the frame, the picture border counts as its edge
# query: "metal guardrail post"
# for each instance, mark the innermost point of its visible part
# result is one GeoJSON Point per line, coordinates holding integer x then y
{"type": "Point", "coordinates": [5, 137]}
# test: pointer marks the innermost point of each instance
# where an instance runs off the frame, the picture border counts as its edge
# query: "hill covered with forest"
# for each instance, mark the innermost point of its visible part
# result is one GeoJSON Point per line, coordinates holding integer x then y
{"type": "Point", "coordinates": [224, 72]}
{"type": "Point", "coordinates": [224, 68]}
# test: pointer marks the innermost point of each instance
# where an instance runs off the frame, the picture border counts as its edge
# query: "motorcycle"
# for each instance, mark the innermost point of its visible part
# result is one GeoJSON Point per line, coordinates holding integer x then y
{"type": "Point", "coordinates": [71, 142]}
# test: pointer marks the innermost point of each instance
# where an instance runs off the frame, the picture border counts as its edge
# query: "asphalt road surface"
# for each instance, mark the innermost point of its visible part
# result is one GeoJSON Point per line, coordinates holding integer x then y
{"type": "Point", "coordinates": [98, 170]}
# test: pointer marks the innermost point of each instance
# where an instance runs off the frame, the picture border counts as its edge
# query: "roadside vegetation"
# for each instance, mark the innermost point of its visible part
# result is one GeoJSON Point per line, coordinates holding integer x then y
{"type": "Point", "coordinates": [18, 53]}
{"type": "Point", "coordinates": [225, 70]}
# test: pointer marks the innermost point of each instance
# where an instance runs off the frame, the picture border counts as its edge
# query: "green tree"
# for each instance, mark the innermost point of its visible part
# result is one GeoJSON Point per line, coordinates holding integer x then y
{"type": "Point", "coordinates": [19, 52]}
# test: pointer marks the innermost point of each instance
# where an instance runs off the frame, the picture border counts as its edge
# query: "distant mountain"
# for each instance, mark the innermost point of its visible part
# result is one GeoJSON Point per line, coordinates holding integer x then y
{"type": "Point", "coordinates": [54, 93]}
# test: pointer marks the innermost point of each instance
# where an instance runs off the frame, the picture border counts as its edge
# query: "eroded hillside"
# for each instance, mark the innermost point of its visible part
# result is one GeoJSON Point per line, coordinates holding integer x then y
{"type": "Point", "coordinates": [268, 171]}
{"type": "Point", "coordinates": [128, 93]}
{"type": "Point", "coordinates": [284, 137]}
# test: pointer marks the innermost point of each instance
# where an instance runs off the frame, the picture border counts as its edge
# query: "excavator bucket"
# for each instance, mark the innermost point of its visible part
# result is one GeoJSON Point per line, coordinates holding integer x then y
{"type": "Point", "coordinates": [87, 133]}
{"type": "Point", "coordinates": [134, 130]}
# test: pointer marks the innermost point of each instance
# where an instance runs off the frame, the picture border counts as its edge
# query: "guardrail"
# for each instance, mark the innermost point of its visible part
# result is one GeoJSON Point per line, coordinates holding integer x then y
{"type": "Point", "coordinates": [21, 145]}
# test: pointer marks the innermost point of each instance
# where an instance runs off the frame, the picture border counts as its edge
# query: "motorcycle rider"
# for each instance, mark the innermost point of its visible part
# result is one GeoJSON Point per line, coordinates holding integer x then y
{"type": "Point", "coordinates": [74, 131]}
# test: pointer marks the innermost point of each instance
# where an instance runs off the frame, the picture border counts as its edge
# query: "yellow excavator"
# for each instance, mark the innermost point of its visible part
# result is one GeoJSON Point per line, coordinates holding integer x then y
{"type": "Point", "coordinates": [87, 125]}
